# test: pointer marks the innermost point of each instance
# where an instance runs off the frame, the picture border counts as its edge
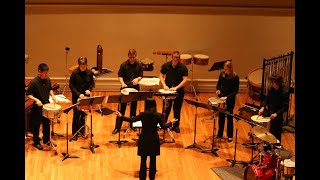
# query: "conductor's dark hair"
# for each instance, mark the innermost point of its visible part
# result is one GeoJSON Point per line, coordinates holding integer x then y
{"type": "Point", "coordinates": [150, 105]}
{"type": "Point", "coordinates": [43, 67]}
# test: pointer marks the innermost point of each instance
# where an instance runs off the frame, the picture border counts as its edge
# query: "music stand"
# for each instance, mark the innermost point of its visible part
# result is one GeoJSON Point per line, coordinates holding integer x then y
{"type": "Point", "coordinates": [196, 104]}
{"type": "Point", "coordinates": [91, 101]}
{"type": "Point", "coordinates": [119, 99]}
{"type": "Point", "coordinates": [234, 161]}
{"type": "Point", "coordinates": [67, 155]}
{"type": "Point", "coordinates": [141, 96]}
{"type": "Point", "coordinates": [218, 65]}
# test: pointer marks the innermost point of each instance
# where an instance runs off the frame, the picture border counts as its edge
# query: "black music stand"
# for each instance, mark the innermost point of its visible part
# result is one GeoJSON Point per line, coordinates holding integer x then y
{"type": "Point", "coordinates": [218, 65]}
{"type": "Point", "coordinates": [164, 105]}
{"type": "Point", "coordinates": [234, 161]}
{"type": "Point", "coordinates": [120, 99]}
{"type": "Point", "coordinates": [91, 101]}
{"type": "Point", "coordinates": [142, 96]}
{"type": "Point", "coordinates": [197, 104]}
{"type": "Point", "coordinates": [67, 155]}
{"type": "Point", "coordinates": [213, 150]}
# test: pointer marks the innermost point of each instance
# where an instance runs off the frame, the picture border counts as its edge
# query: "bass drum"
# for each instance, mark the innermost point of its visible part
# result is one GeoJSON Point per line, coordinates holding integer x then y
{"type": "Point", "coordinates": [255, 172]}
{"type": "Point", "coordinates": [255, 84]}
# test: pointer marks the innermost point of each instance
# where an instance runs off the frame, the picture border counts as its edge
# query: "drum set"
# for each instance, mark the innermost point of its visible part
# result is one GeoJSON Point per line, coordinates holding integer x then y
{"type": "Point", "coordinates": [275, 162]}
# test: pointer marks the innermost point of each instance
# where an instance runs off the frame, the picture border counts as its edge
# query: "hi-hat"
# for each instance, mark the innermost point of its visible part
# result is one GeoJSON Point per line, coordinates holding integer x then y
{"type": "Point", "coordinates": [263, 134]}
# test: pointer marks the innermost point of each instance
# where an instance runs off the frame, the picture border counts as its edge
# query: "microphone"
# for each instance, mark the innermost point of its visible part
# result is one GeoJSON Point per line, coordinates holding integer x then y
{"type": "Point", "coordinates": [67, 48]}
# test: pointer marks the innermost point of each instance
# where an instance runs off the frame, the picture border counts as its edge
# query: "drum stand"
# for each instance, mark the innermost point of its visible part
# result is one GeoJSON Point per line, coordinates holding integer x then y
{"type": "Point", "coordinates": [194, 145]}
{"type": "Point", "coordinates": [191, 85]}
{"type": "Point", "coordinates": [163, 140]}
{"type": "Point", "coordinates": [67, 155]}
{"type": "Point", "coordinates": [52, 131]}
{"type": "Point", "coordinates": [234, 161]}
{"type": "Point", "coordinates": [212, 150]}
{"type": "Point", "coordinates": [86, 129]}
{"type": "Point", "coordinates": [91, 101]}
{"type": "Point", "coordinates": [51, 144]}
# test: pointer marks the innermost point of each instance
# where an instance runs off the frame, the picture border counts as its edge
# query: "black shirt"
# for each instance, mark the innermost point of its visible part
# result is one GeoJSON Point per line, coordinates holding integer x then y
{"type": "Point", "coordinates": [228, 86]}
{"type": "Point", "coordinates": [174, 75]}
{"type": "Point", "coordinates": [276, 101]}
{"type": "Point", "coordinates": [40, 89]}
{"type": "Point", "coordinates": [130, 71]}
{"type": "Point", "coordinates": [80, 82]}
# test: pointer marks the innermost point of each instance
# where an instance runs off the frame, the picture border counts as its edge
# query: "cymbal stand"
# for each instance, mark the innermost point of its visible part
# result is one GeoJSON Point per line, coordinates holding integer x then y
{"type": "Point", "coordinates": [51, 144]}
{"type": "Point", "coordinates": [194, 145]}
{"type": "Point", "coordinates": [66, 155]}
{"type": "Point", "coordinates": [212, 150]}
{"type": "Point", "coordinates": [92, 146]}
{"type": "Point", "coordinates": [163, 140]}
{"type": "Point", "coordinates": [191, 85]}
{"type": "Point", "coordinates": [119, 142]}
{"type": "Point", "coordinates": [66, 83]}
{"type": "Point", "coordinates": [234, 161]}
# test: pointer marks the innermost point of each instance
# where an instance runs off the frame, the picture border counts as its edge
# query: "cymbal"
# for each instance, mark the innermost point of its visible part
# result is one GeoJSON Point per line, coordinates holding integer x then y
{"type": "Point", "coordinates": [263, 134]}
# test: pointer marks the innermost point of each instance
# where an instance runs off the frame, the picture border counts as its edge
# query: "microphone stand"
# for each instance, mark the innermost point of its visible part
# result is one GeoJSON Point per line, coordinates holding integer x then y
{"type": "Point", "coordinates": [66, 83]}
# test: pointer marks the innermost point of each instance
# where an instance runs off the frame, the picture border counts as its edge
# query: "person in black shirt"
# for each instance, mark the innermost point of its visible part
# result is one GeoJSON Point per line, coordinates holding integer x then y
{"type": "Point", "coordinates": [275, 104]}
{"type": "Point", "coordinates": [173, 76]}
{"type": "Point", "coordinates": [81, 84]}
{"type": "Point", "coordinates": [227, 89]}
{"type": "Point", "coordinates": [129, 75]}
{"type": "Point", "coordinates": [40, 90]}
{"type": "Point", "coordinates": [149, 141]}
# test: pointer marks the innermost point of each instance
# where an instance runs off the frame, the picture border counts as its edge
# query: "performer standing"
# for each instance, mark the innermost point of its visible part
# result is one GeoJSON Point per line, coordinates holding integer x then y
{"type": "Point", "coordinates": [227, 89]}
{"type": "Point", "coordinates": [149, 142]}
{"type": "Point", "coordinates": [40, 90]}
{"type": "Point", "coordinates": [81, 84]}
{"type": "Point", "coordinates": [275, 104]}
{"type": "Point", "coordinates": [129, 74]}
{"type": "Point", "coordinates": [173, 76]}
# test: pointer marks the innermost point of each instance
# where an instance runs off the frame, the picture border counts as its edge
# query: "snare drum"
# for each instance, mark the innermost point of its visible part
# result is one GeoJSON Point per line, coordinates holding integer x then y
{"type": "Point", "coordinates": [186, 59]}
{"type": "Point", "coordinates": [217, 102]}
{"type": "Point", "coordinates": [255, 84]}
{"type": "Point", "coordinates": [168, 94]}
{"type": "Point", "coordinates": [262, 120]}
{"type": "Point", "coordinates": [147, 64]}
{"type": "Point", "coordinates": [200, 59]}
{"type": "Point", "coordinates": [51, 110]}
{"type": "Point", "coordinates": [126, 91]}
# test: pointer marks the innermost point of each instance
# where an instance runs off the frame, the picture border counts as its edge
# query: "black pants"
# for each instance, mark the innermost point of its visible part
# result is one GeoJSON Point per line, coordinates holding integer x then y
{"type": "Point", "coordinates": [221, 123]}
{"type": "Point", "coordinates": [276, 126]}
{"type": "Point", "coordinates": [177, 105]}
{"type": "Point", "coordinates": [122, 108]}
{"type": "Point", "coordinates": [36, 119]}
{"type": "Point", "coordinates": [152, 168]}
{"type": "Point", "coordinates": [78, 120]}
